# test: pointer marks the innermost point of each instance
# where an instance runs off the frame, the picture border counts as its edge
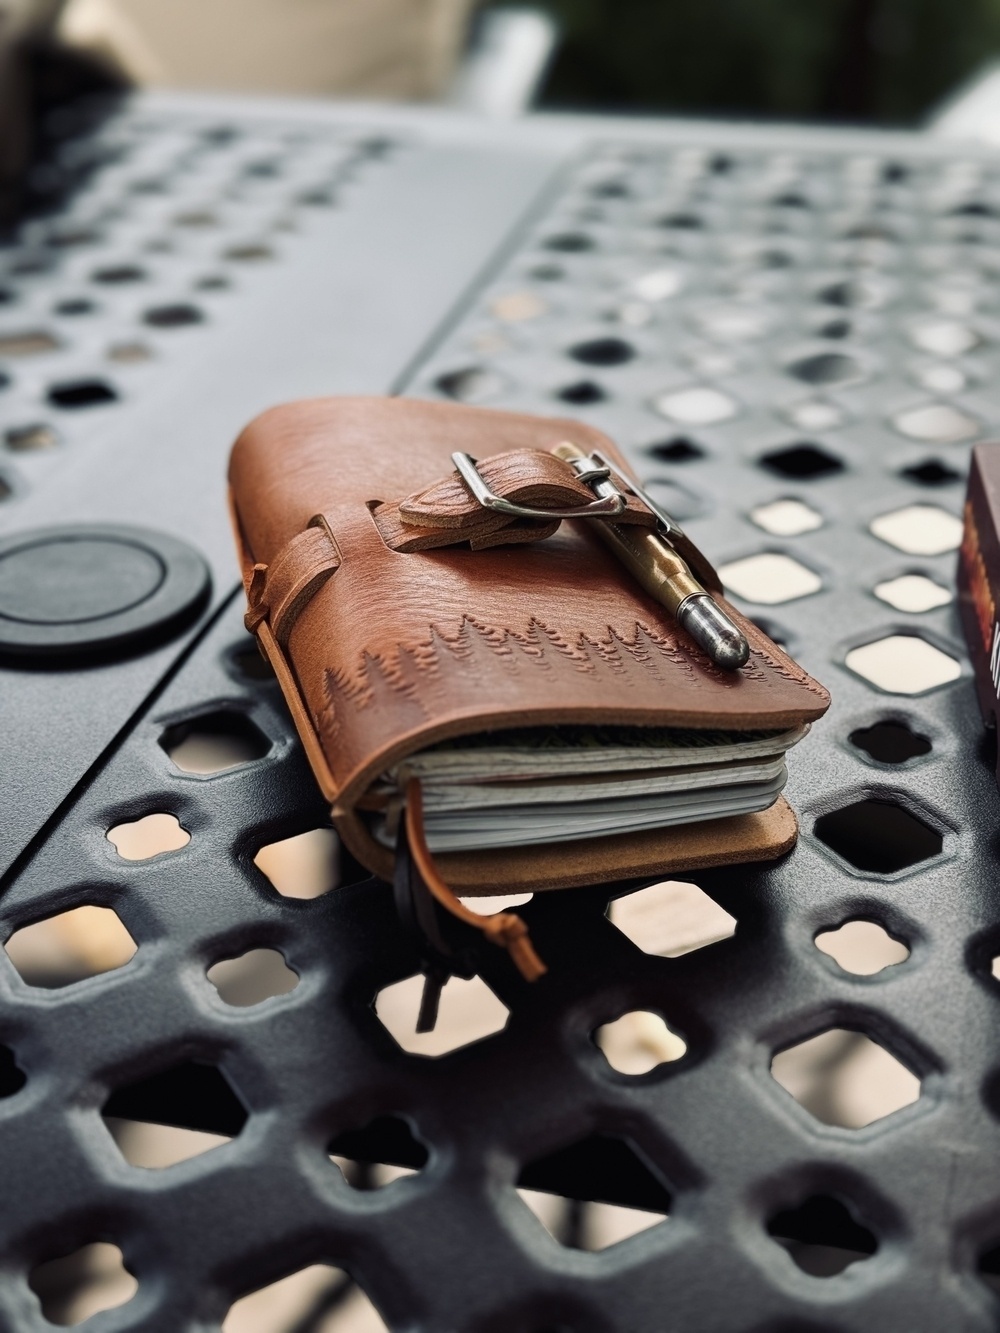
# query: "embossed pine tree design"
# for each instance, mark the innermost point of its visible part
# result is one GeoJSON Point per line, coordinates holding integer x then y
{"type": "Point", "coordinates": [391, 694]}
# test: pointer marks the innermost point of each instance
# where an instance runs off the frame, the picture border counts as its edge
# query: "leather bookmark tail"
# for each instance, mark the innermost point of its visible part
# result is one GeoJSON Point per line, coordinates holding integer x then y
{"type": "Point", "coordinates": [505, 929]}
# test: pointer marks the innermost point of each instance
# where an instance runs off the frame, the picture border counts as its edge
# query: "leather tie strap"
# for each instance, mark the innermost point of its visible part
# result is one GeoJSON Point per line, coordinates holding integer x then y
{"type": "Point", "coordinates": [279, 592]}
{"type": "Point", "coordinates": [447, 514]}
{"type": "Point", "coordinates": [505, 929]}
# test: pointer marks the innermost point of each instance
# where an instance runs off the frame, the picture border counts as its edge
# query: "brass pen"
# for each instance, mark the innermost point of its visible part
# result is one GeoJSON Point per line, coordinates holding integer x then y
{"type": "Point", "coordinates": [666, 576]}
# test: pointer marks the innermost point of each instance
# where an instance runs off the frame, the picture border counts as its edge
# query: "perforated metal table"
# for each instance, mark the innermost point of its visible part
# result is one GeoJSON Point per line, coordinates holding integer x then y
{"type": "Point", "coordinates": [757, 316]}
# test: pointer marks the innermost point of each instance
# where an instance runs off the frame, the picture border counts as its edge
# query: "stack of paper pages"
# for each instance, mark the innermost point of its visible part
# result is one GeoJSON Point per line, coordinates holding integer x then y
{"type": "Point", "coordinates": [557, 784]}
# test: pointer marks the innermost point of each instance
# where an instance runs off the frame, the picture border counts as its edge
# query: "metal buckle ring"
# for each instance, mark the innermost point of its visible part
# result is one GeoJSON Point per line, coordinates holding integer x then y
{"type": "Point", "coordinates": [596, 475]}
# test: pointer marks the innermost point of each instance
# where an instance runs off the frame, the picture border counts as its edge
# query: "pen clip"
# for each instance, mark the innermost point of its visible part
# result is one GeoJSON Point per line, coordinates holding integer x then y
{"type": "Point", "coordinates": [666, 525]}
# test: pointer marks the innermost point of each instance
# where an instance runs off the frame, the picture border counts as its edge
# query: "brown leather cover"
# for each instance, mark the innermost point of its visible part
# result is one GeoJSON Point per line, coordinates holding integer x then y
{"type": "Point", "coordinates": [381, 653]}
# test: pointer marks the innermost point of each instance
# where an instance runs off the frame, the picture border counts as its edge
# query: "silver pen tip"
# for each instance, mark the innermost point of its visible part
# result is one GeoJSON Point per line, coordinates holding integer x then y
{"type": "Point", "coordinates": [712, 629]}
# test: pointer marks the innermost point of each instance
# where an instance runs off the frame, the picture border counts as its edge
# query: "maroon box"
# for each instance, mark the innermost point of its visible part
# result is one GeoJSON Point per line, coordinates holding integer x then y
{"type": "Point", "coordinates": [979, 576]}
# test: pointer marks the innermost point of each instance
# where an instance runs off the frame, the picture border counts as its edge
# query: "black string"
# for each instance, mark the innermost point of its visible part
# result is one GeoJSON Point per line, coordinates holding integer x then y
{"type": "Point", "coordinates": [419, 914]}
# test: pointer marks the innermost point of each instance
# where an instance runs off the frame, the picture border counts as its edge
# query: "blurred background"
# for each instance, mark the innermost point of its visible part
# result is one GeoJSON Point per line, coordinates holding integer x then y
{"type": "Point", "coordinates": [855, 60]}
{"type": "Point", "coordinates": [888, 62]}
{"type": "Point", "coordinates": [859, 60]}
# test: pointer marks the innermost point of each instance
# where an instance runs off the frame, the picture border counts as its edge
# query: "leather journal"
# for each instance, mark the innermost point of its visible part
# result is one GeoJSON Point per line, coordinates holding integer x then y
{"type": "Point", "coordinates": [563, 726]}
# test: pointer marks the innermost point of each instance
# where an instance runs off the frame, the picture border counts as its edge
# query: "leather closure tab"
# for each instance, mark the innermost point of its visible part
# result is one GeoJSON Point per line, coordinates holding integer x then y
{"type": "Point", "coordinates": [447, 513]}
{"type": "Point", "coordinates": [280, 591]}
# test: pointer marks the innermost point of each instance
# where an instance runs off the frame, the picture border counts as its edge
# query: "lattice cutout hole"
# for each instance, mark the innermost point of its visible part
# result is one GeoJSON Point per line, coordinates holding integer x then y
{"type": "Point", "coordinates": [197, 217]}
{"type": "Point", "coordinates": [697, 406]}
{"type": "Point", "coordinates": [32, 439]}
{"type": "Point", "coordinates": [214, 742]}
{"type": "Point", "coordinates": [595, 1193]}
{"type": "Point", "coordinates": [821, 1236]}
{"type": "Point", "coordinates": [732, 324]}
{"type": "Point", "coordinates": [937, 423]}
{"type": "Point", "coordinates": [213, 282]}
{"type": "Point", "coordinates": [878, 837]}
{"type": "Point", "coordinates": [155, 1147]}
{"type": "Point", "coordinates": [70, 947]}
{"type": "Point", "coordinates": [72, 1288]}
{"type": "Point", "coordinates": [863, 948]}
{"type": "Point", "coordinates": [176, 316]}
{"type": "Point", "coordinates": [931, 472]}
{"type": "Point", "coordinates": [671, 918]}
{"type": "Point", "coordinates": [802, 462]}
{"type": "Point", "coordinates": [871, 231]}
{"type": "Point", "coordinates": [118, 275]}
{"type": "Point", "coordinates": [659, 284]}
{"type": "Point", "coordinates": [681, 221]}
{"type": "Point", "coordinates": [890, 742]}
{"type": "Point", "coordinates": [490, 905]}
{"type": "Point", "coordinates": [469, 1012]}
{"type": "Point", "coordinates": [12, 1077]}
{"type": "Point", "coordinates": [845, 1078]}
{"type": "Point", "coordinates": [944, 337]}
{"type": "Point", "coordinates": [129, 353]}
{"type": "Point", "coordinates": [835, 328]}
{"type": "Point", "coordinates": [171, 1116]}
{"type": "Point", "coordinates": [815, 414]}
{"type": "Point", "coordinates": [827, 368]}
{"type": "Point", "coordinates": [857, 293]}
{"type": "Point", "coordinates": [770, 578]}
{"type": "Point", "coordinates": [786, 518]}
{"type": "Point", "coordinates": [569, 242]}
{"type": "Point", "coordinates": [77, 394]}
{"type": "Point", "coordinates": [547, 273]}
{"type": "Point", "coordinates": [639, 1042]}
{"type": "Point", "coordinates": [30, 342]}
{"type": "Point", "coordinates": [941, 379]}
{"type": "Point", "coordinates": [988, 1268]}
{"type": "Point", "coordinates": [152, 835]}
{"type": "Point", "coordinates": [603, 352]}
{"type": "Point", "coordinates": [679, 449]}
{"type": "Point", "coordinates": [320, 1298]}
{"type": "Point", "coordinates": [383, 1151]}
{"type": "Point", "coordinates": [584, 393]}
{"type": "Point", "coordinates": [713, 364]}
{"type": "Point", "coordinates": [252, 253]}
{"type": "Point", "coordinates": [903, 664]}
{"type": "Point", "coordinates": [517, 307]}
{"type": "Point", "coordinates": [919, 530]}
{"type": "Point", "coordinates": [252, 977]}
{"type": "Point", "coordinates": [471, 385]}
{"type": "Point", "coordinates": [913, 593]}
{"type": "Point", "coordinates": [304, 866]}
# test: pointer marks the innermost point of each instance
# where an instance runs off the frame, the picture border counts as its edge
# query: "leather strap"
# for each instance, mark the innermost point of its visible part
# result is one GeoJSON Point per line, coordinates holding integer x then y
{"type": "Point", "coordinates": [447, 514]}
{"type": "Point", "coordinates": [505, 929]}
{"type": "Point", "coordinates": [278, 592]}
